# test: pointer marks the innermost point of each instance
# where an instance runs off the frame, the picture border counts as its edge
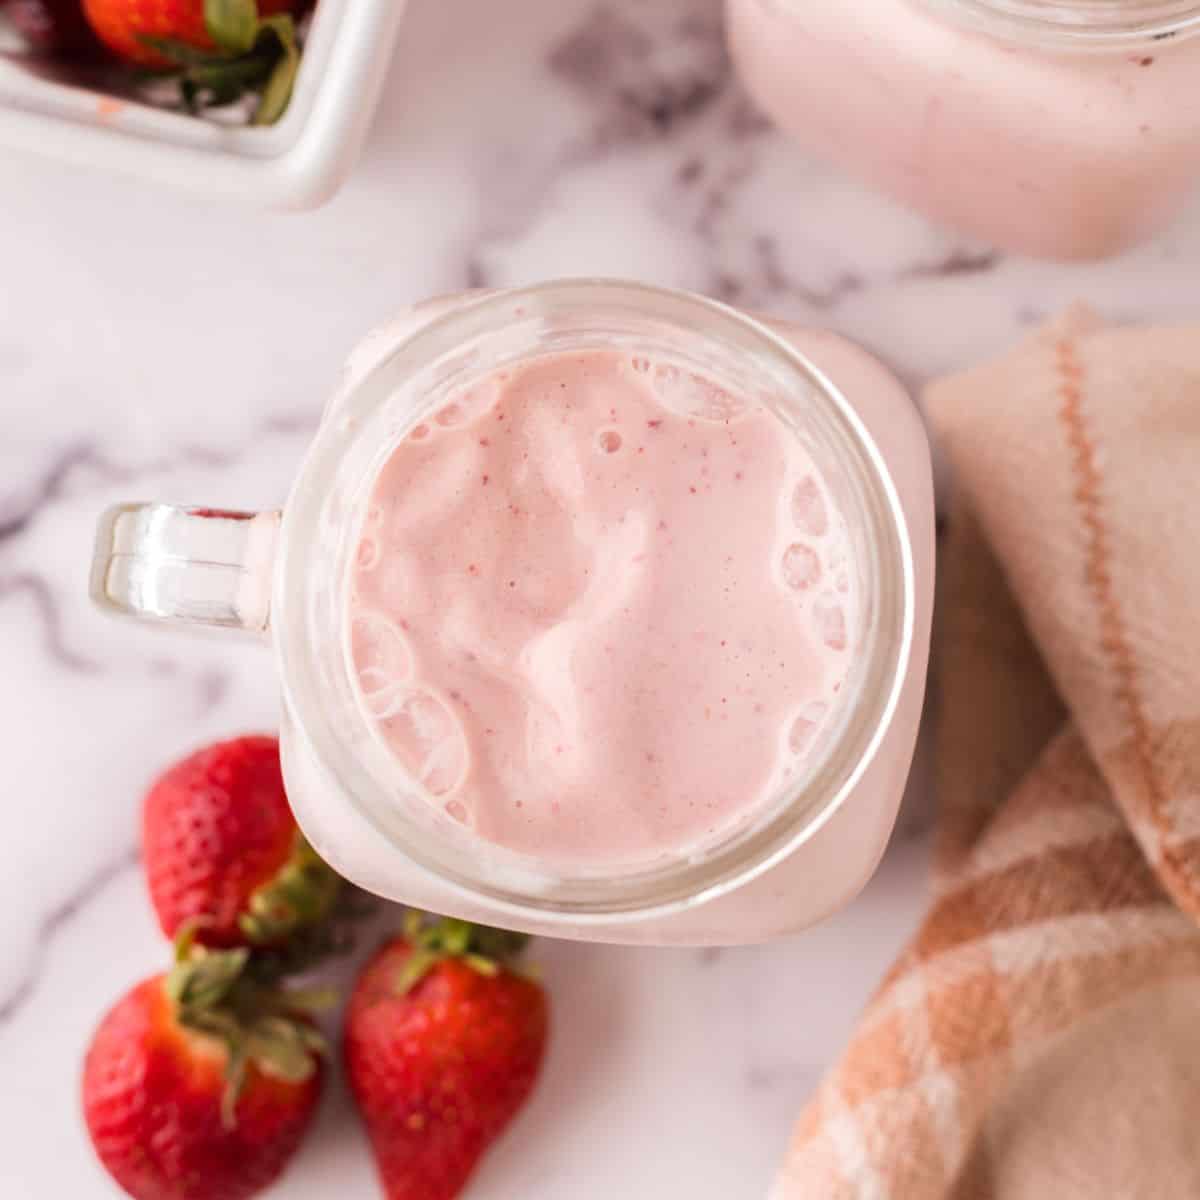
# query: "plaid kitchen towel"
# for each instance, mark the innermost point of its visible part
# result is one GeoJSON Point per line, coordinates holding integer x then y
{"type": "Point", "coordinates": [1040, 1035]}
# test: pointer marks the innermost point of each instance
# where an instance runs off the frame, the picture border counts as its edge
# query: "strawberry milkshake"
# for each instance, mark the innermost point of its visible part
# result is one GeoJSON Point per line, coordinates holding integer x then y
{"type": "Point", "coordinates": [601, 607]}
{"type": "Point", "coordinates": [599, 610]}
{"type": "Point", "coordinates": [1060, 130]}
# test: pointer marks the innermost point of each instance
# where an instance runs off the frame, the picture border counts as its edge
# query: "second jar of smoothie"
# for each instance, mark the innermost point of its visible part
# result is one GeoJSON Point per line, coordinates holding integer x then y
{"type": "Point", "coordinates": [1058, 128]}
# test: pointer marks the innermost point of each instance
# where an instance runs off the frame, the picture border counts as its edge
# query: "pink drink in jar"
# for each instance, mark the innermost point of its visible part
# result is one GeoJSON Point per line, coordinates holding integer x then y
{"type": "Point", "coordinates": [1057, 128]}
{"type": "Point", "coordinates": [598, 610]}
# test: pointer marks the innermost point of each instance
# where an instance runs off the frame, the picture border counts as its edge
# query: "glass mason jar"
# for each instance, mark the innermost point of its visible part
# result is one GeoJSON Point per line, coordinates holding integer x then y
{"type": "Point", "coordinates": [797, 856]}
{"type": "Point", "coordinates": [1057, 128]}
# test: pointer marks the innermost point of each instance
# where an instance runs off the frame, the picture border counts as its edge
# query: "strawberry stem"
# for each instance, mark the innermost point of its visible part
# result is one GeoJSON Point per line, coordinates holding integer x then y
{"type": "Point", "coordinates": [435, 938]}
{"type": "Point", "coordinates": [215, 993]}
{"type": "Point", "coordinates": [299, 895]}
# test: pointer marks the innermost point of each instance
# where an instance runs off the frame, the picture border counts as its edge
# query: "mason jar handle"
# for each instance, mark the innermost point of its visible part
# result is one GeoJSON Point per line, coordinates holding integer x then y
{"type": "Point", "coordinates": [192, 566]}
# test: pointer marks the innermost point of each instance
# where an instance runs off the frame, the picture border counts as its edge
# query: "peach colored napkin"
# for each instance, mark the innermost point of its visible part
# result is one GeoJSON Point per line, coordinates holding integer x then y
{"type": "Point", "coordinates": [1040, 1035]}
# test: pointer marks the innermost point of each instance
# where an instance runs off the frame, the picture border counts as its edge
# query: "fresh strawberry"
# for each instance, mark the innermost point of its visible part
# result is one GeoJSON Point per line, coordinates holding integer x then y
{"type": "Point", "coordinates": [131, 27]}
{"type": "Point", "coordinates": [54, 27]}
{"type": "Point", "coordinates": [443, 1045]}
{"type": "Point", "coordinates": [198, 1085]}
{"type": "Point", "coordinates": [222, 851]}
{"type": "Point", "coordinates": [220, 49]}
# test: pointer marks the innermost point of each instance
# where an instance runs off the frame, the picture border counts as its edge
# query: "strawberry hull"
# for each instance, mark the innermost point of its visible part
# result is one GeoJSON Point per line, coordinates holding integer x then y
{"type": "Point", "coordinates": [152, 1095]}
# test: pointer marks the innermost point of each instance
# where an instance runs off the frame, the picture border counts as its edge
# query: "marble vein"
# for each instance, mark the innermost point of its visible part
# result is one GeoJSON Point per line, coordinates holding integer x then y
{"type": "Point", "coordinates": [36, 588]}
{"type": "Point", "coordinates": [54, 922]}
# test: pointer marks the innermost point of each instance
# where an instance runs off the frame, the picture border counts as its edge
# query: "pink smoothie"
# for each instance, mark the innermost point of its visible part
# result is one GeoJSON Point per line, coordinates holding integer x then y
{"type": "Point", "coordinates": [601, 607]}
{"type": "Point", "coordinates": [1053, 153]}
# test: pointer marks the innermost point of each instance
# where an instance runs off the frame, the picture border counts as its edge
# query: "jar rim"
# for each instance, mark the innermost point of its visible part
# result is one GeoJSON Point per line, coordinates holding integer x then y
{"type": "Point", "coordinates": [683, 883]}
{"type": "Point", "coordinates": [1097, 25]}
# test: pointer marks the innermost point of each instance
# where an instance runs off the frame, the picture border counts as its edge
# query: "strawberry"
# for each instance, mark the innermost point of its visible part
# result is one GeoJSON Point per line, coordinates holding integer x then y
{"type": "Point", "coordinates": [442, 1047]}
{"type": "Point", "coordinates": [199, 1084]}
{"type": "Point", "coordinates": [220, 49]}
{"type": "Point", "coordinates": [222, 851]}
{"type": "Point", "coordinates": [54, 27]}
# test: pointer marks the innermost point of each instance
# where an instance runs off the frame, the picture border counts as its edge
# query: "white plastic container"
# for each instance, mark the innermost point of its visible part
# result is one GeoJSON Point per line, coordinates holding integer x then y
{"type": "Point", "coordinates": [297, 163]}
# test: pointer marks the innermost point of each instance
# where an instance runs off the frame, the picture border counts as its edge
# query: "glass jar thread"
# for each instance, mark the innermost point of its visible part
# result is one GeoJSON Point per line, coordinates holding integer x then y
{"type": "Point", "coordinates": [1112, 25]}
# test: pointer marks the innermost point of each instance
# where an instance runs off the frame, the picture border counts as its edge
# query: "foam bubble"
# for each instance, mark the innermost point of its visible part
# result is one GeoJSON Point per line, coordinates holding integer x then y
{"type": "Point", "coordinates": [830, 621]}
{"type": "Point", "coordinates": [808, 508]}
{"type": "Point", "coordinates": [801, 567]}
{"type": "Point", "coordinates": [381, 658]}
{"type": "Point", "coordinates": [469, 404]}
{"type": "Point", "coordinates": [694, 396]}
{"type": "Point", "coordinates": [427, 739]}
{"type": "Point", "coordinates": [805, 725]}
{"type": "Point", "coordinates": [368, 554]}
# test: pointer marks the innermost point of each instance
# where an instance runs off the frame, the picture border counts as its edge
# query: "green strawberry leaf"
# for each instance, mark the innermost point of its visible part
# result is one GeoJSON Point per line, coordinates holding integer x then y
{"type": "Point", "coordinates": [305, 889]}
{"type": "Point", "coordinates": [415, 967]}
{"type": "Point", "coordinates": [178, 52]}
{"type": "Point", "coordinates": [240, 72]}
{"type": "Point", "coordinates": [204, 981]}
{"type": "Point", "coordinates": [232, 24]}
{"type": "Point", "coordinates": [434, 938]}
{"type": "Point", "coordinates": [250, 56]}
{"type": "Point", "coordinates": [283, 28]}
{"type": "Point", "coordinates": [283, 1048]}
{"type": "Point", "coordinates": [217, 83]}
{"type": "Point", "coordinates": [484, 966]}
{"type": "Point", "coordinates": [278, 89]}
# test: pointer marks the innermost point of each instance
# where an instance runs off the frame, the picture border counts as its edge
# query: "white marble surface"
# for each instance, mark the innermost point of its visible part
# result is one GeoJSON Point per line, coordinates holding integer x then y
{"type": "Point", "coordinates": [154, 345]}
